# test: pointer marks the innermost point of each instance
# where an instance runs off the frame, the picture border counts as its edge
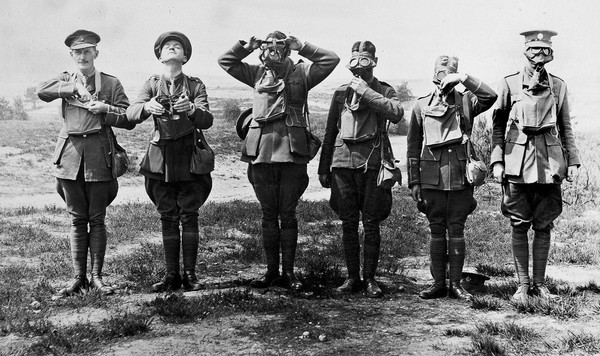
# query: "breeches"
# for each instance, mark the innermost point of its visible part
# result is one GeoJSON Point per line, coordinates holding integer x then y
{"type": "Point", "coordinates": [87, 201]}
{"type": "Point", "coordinates": [448, 210]}
{"type": "Point", "coordinates": [179, 200]}
{"type": "Point", "coordinates": [532, 204]}
{"type": "Point", "coordinates": [354, 192]}
{"type": "Point", "coordinates": [278, 187]}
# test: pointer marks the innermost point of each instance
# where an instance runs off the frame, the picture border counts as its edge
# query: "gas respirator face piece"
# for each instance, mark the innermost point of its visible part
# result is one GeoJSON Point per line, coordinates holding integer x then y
{"type": "Point", "coordinates": [538, 56]}
{"type": "Point", "coordinates": [274, 52]}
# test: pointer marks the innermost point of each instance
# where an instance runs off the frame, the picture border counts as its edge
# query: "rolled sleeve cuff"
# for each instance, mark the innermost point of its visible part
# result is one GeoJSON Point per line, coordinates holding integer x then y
{"type": "Point", "coordinates": [239, 50]}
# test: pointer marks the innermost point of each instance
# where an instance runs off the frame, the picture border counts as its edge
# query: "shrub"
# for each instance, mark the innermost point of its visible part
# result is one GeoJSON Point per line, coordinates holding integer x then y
{"type": "Point", "coordinates": [231, 110]}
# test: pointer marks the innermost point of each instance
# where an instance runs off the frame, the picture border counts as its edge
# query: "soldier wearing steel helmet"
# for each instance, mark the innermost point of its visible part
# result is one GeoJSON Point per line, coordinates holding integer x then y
{"type": "Point", "coordinates": [533, 151]}
{"type": "Point", "coordinates": [92, 103]}
{"type": "Point", "coordinates": [178, 105]}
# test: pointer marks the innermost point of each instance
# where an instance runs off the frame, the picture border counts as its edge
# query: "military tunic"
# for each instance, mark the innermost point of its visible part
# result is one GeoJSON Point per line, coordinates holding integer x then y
{"type": "Point", "coordinates": [88, 148]}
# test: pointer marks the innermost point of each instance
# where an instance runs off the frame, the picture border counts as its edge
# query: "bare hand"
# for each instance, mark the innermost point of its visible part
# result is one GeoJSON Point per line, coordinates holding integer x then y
{"type": "Point", "coordinates": [359, 85]}
{"type": "Point", "coordinates": [415, 192]}
{"type": "Point", "coordinates": [83, 93]}
{"type": "Point", "coordinates": [498, 172]}
{"type": "Point", "coordinates": [253, 43]}
{"type": "Point", "coordinates": [325, 180]}
{"type": "Point", "coordinates": [97, 107]}
{"type": "Point", "coordinates": [450, 82]}
{"type": "Point", "coordinates": [154, 107]}
{"type": "Point", "coordinates": [294, 43]}
{"type": "Point", "coordinates": [183, 104]}
{"type": "Point", "coordinates": [571, 171]}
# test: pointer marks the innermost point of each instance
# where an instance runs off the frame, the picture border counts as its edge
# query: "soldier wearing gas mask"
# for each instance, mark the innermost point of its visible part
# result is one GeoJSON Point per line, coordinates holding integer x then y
{"type": "Point", "coordinates": [351, 159]}
{"type": "Point", "coordinates": [533, 151]}
{"type": "Point", "coordinates": [437, 149]}
{"type": "Point", "coordinates": [276, 145]}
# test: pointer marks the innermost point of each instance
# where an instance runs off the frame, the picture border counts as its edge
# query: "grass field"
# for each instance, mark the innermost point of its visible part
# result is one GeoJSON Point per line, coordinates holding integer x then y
{"type": "Point", "coordinates": [230, 318]}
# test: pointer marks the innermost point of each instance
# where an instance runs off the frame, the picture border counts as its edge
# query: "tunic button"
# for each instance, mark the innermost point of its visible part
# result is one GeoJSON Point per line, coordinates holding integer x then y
{"type": "Point", "coordinates": [84, 135]}
{"type": "Point", "coordinates": [449, 150]}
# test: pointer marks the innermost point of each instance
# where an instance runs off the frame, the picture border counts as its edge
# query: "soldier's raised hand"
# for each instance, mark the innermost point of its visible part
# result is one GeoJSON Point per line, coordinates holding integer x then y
{"type": "Point", "coordinates": [97, 107]}
{"type": "Point", "coordinates": [450, 81]}
{"type": "Point", "coordinates": [359, 85]}
{"type": "Point", "coordinates": [154, 107]}
{"type": "Point", "coordinates": [83, 93]}
{"type": "Point", "coordinates": [294, 43]}
{"type": "Point", "coordinates": [253, 43]}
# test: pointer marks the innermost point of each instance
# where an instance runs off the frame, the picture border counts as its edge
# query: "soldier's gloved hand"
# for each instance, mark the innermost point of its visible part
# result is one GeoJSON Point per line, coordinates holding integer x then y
{"type": "Point", "coordinates": [252, 44]}
{"type": "Point", "coordinates": [450, 81]}
{"type": "Point", "coordinates": [359, 85]}
{"type": "Point", "coordinates": [325, 180]}
{"type": "Point", "coordinates": [571, 171]}
{"type": "Point", "coordinates": [294, 43]}
{"type": "Point", "coordinates": [97, 107]}
{"type": "Point", "coordinates": [154, 107]}
{"type": "Point", "coordinates": [83, 93]}
{"type": "Point", "coordinates": [498, 172]}
{"type": "Point", "coordinates": [415, 192]}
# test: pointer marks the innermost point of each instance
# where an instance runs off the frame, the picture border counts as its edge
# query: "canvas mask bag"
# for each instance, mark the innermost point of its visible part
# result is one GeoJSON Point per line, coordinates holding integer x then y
{"type": "Point", "coordinates": [441, 123]}
{"type": "Point", "coordinates": [356, 124]}
{"type": "Point", "coordinates": [268, 102]}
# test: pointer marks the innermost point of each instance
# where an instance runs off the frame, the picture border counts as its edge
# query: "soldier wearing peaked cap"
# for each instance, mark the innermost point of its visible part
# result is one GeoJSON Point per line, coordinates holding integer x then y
{"type": "Point", "coordinates": [178, 105]}
{"type": "Point", "coordinates": [533, 151]}
{"type": "Point", "coordinates": [92, 103]}
{"type": "Point", "coordinates": [437, 148]}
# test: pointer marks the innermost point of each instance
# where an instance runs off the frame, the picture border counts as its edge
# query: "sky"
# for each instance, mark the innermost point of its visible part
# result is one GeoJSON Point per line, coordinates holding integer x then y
{"type": "Point", "coordinates": [408, 36]}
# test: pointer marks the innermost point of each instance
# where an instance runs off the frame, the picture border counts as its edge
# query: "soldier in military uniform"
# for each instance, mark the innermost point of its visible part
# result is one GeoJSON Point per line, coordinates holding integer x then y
{"type": "Point", "coordinates": [351, 159]}
{"type": "Point", "coordinates": [439, 129]}
{"type": "Point", "coordinates": [533, 151]}
{"type": "Point", "coordinates": [86, 179]}
{"type": "Point", "coordinates": [178, 105]}
{"type": "Point", "coordinates": [276, 146]}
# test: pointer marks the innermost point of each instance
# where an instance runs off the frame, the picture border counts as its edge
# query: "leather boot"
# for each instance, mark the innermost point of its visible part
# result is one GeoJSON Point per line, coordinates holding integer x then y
{"type": "Point", "coordinates": [97, 283]}
{"type": "Point", "coordinates": [171, 282]}
{"type": "Point", "coordinates": [79, 240]}
{"type": "Point", "coordinates": [351, 285]}
{"type": "Point", "coordinates": [456, 258]}
{"type": "Point", "coordinates": [434, 291]}
{"type": "Point", "coordinates": [97, 252]}
{"type": "Point", "coordinates": [371, 259]}
{"type": "Point", "coordinates": [438, 255]}
{"type": "Point", "coordinates": [540, 250]}
{"type": "Point", "coordinates": [190, 281]}
{"type": "Point", "coordinates": [520, 248]}
{"type": "Point", "coordinates": [77, 286]}
{"type": "Point", "coordinates": [289, 242]}
{"type": "Point", "coordinates": [521, 295]}
{"type": "Point", "coordinates": [458, 292]}
{"type": "Point", "coordinates": [351, 243]}
{"type": "Point", "coordinates": [271, 242]}
{"type": "Point", "coordinates": [171, 244]}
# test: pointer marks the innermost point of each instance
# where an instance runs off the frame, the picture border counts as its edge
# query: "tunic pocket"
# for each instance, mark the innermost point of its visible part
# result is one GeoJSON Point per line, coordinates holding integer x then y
{"type": "Point", "coordinates": [59, 149]}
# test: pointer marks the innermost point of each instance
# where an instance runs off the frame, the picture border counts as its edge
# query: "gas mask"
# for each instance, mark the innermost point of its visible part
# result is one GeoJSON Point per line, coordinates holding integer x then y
{"type": "Point", "coordinates": [360, 63]}
{"type": "Point", "coordinates": [274, 53]}
{"type": "Point", "coordinates": [538, 56]}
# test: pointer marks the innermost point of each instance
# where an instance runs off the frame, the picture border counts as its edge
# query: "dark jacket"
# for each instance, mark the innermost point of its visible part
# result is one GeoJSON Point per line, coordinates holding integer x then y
{"type": "Point", "coordinates": [93, 150]}
{"type": "Point", "coordinates": [380, 98]}
{"type": "Point", "coordinates": [282, 140]}
{"type": "Point", "coordinates": [443, 168]}
{"type": "Point", "coordinates": [172, 152]}
{"type": "Point", "coordinates": [533, 158]}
